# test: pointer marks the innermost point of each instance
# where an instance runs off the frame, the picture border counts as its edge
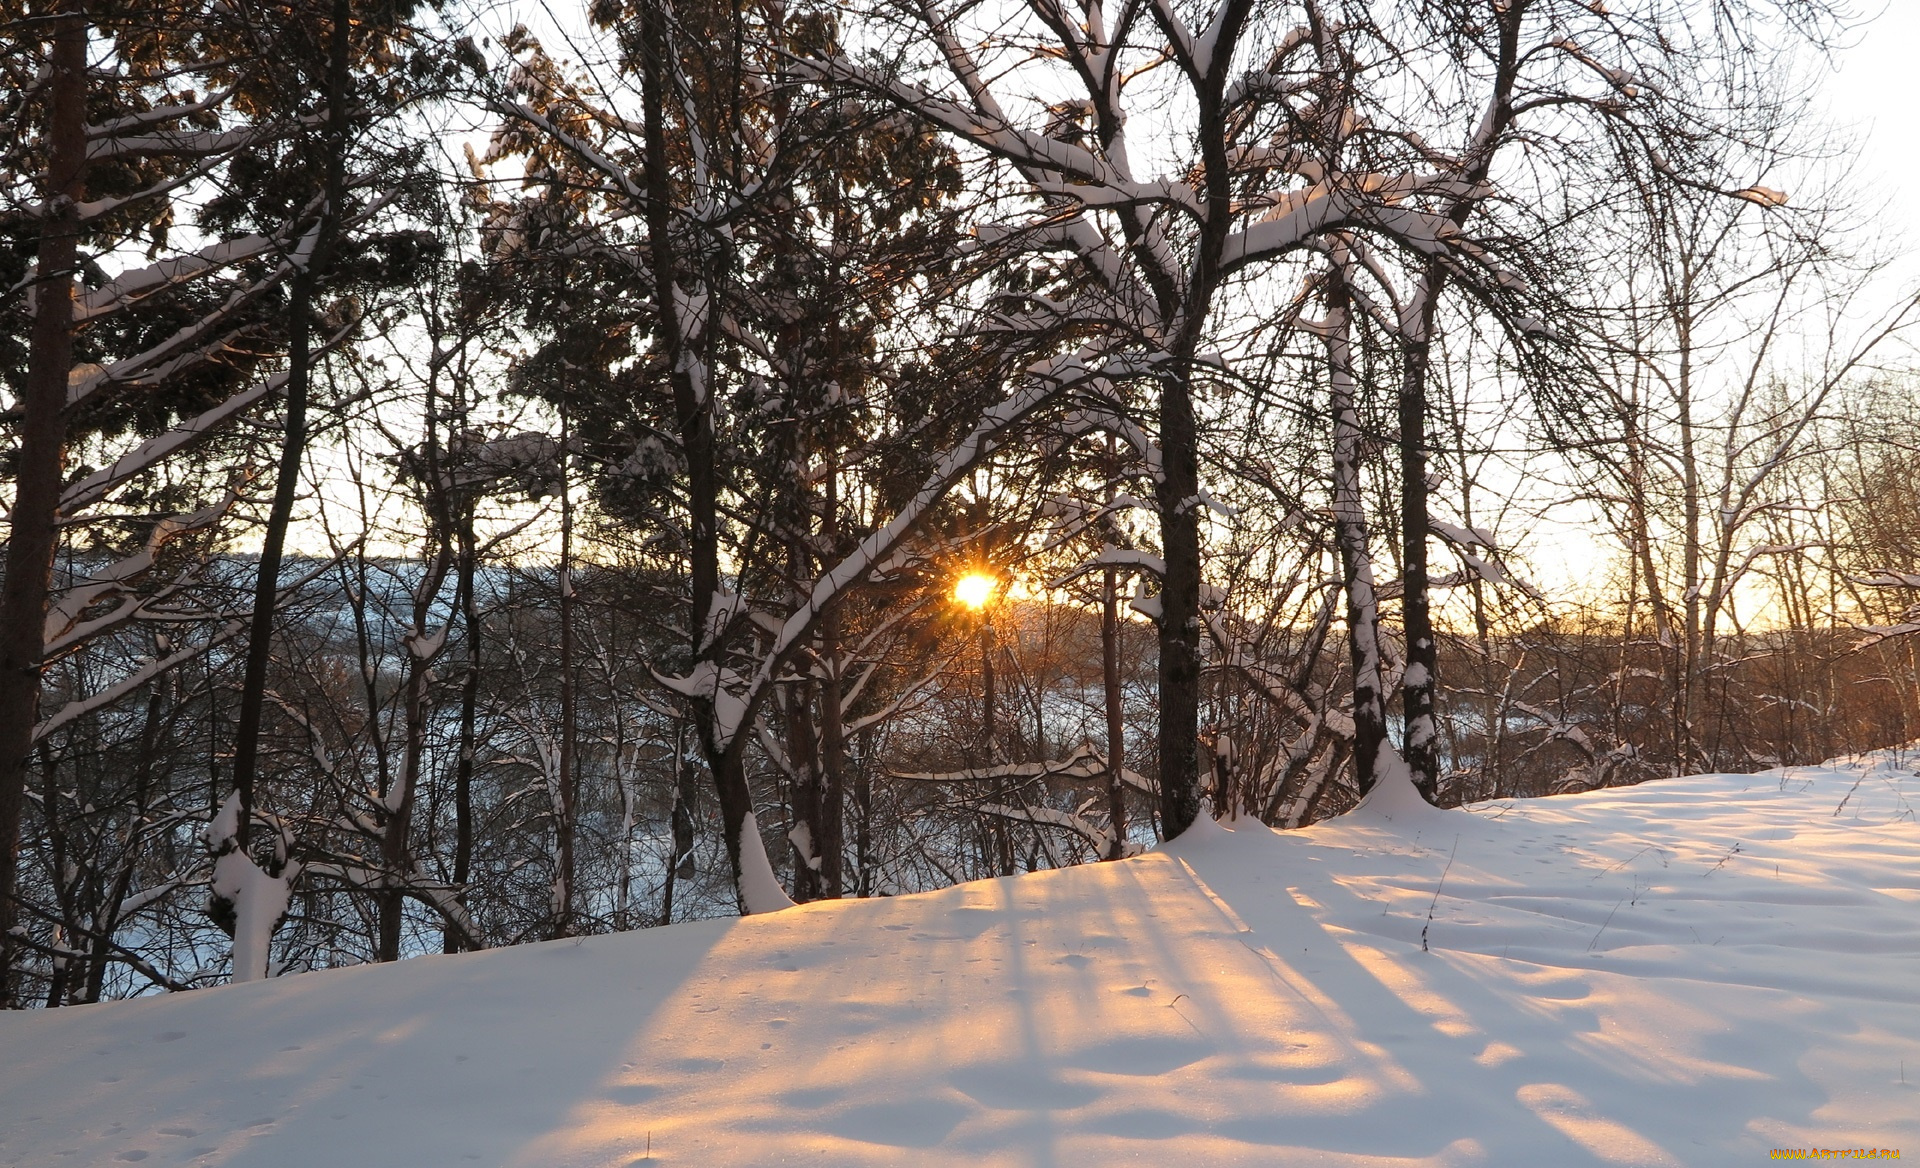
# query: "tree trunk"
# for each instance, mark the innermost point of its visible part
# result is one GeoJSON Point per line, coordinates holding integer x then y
{"type": "Point", "coordinates": [294, 436]}
{"type": "Point", "coordinates": [680, 865]}
{"type": "Point", "coordinates": [1350, 530]}
{"type": "Point", "coordinates": [1686, 660]}
{"type": "Point", "coordinates": [863, 808]}
{"type": "Point", "coordinates": [804, 756]}
{"type": "Point", "coordinates": [107, 919]}
{"type": "Point", "coordinates": [1116, 728]}
{"type": "Point", "coordinates": [989, 754]}
{"type": "Point", "coordinates": [396, 839]}
{"type": "Point", "coordinates": [1423, 658]}
{"type": "Point", "coordinates": [1177, 499]}
{"type": "Point", "coordinates": [829, 841]}
{"type": "Point", "coordinates": [563, 895]}
{"type": "Point", "coordinates": [42, 455]}
{"type": "Point", "coordinates": [469, 709]}
{"type": "Point", "coordinates": [292, 452]}
{"type": "Point", "coordinates": [693, 405]}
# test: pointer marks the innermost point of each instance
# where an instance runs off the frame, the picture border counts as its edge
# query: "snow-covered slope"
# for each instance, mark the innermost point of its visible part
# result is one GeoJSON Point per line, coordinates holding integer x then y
{"type": "Point", "coordinates": [1690, 972]}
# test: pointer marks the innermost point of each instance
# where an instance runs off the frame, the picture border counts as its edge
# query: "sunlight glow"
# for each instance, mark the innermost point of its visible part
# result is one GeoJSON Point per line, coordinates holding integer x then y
{"type": "Point", "coordinates": [973, 590]}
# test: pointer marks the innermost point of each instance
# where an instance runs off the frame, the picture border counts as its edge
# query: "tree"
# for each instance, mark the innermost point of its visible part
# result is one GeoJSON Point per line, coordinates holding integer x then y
{"type": "Point", "coordinates": [163, 352]}
{"type": "Point", "coordinates": [1253, 187]}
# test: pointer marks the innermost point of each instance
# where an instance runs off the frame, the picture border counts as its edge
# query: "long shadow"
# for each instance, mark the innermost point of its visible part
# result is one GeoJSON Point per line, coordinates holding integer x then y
{"type": "Point", "coordinates": [1525, 1062]}
{"type": "Point", "coordinates": [400, 1065]}
{"type": "Point", "coordinates": [1176, 1006]}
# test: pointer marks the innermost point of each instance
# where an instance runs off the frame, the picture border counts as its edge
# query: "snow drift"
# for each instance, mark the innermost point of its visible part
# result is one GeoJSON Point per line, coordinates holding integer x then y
{"type": "Point", "coordinates": [1690, 972]}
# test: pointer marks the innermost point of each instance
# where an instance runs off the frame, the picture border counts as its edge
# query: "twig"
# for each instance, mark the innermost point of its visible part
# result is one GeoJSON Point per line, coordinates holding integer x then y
{"type": "Point", "coordinates": [1849, 794]}
{"type": "Point", "coordinates": [1731, 853]}
{"type": "Point", "coordinates": [1436, 896]}
{"type": "Point", "coordinates": [1630, 859]}
{"type": "Point", "coordinates": [1608, 921]}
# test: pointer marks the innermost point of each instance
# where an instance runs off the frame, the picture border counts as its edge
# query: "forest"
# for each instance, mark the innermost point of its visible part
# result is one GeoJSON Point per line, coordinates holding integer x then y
{"type": "Point", "coordinates": [480, 476]}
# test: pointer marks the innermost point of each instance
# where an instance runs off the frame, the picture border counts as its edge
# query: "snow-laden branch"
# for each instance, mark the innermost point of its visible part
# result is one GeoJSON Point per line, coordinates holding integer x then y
{"type": "Point", "coordinates": [624, 182]}
{"type": "Point", "coordinates": [182, 143]}
{"type": "Point", "coordinates": [1113, 557]}
{"type": "Point", "coordinates": [256, 897]}
{"type": "Point", "coordinates": [202, 340]}
{"type": "Point", "coordinates": [132, 682]}
{"type": "Point", "coordinates": [1097, 835]}
{"type": "Point", "coordinates": [1462, 536]}
{"type": "Point", "coordinates": [1084, 763]}
{"type": "Point", "coordinates": [439, 895]}
{"type": "Point", "coordinates": [1047, 162]}
{"type": "Point", "coordinates": [1272, 685]}
{"type": "Point", "coordinates": [138, 284]}
{"type": "Point", "coordinates": [158, 115]}
{"type": "Point", "coordinates": [1362, 201]}
{"type": "Point", "coordinates": [194, 431]}
{"type": "Point", "coordinates": [65, 627]}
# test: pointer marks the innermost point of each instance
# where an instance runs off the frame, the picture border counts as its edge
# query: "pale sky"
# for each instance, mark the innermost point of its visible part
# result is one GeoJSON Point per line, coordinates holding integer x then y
{"type": "Point", "coordinates": [1873, 92]}
{"type": "Point", "coordinates": [1870, 93]}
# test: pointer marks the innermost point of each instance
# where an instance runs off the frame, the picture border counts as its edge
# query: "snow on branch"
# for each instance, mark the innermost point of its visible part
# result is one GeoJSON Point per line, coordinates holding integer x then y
{"type": "Point", "coordinates": [194, 431]}
{"type": "Point", "coordinates": [1365, 201]}
{"type": "Point", "coordinates": [182, 143]}
{"type": "Point", "coordinates": [1045, 161]}
{"type": "Point", "coordinates": [65, 627]}
{"type": "Point", "coordinates": [159, 114]}
{"type": "Point", "coordinates": [1114, 557]}
{"type": "Point", "coordinates": [132, 682]}
{"type": "Point", "coordinates": [1462, 536]}
{"type": "Point", "coordinates": [256, 896]}
{"type": "Point", "coordinates": [132, 286]}
{"type": "Point", "coordinates": [1762, 196]}
{"type": "Point", "coordinates": [1095, 834]}
{"type": "Point", "coordinates": [1494, 572]}
{"type": "Point", "coordinates": [202, 340]}
{"type": "Point", "coordinates": [1084, 763]}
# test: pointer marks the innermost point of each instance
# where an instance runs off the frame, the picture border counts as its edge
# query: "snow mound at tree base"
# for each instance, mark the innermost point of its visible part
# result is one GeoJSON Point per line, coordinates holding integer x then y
{"type": "Point", "coordinates": [1689, 972]}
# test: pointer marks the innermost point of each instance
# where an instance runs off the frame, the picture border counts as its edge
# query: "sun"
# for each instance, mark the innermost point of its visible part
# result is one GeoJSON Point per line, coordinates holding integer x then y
{"type": "Point", "coordinates": [973, 590]}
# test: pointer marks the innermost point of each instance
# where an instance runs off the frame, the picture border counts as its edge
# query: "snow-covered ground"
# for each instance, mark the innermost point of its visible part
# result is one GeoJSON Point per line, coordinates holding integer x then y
{"type": "Point", "coordinates": [1692, 972]}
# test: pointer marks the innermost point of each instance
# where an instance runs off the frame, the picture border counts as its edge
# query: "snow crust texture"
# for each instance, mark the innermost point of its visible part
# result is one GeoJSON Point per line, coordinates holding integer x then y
{"type": "Point", "coordinates": [1689, 972]}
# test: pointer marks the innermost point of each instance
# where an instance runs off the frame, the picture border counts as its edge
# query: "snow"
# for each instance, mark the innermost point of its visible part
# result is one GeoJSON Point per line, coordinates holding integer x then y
{"type": "Point", "coordinates": [1462, 535]}
{"type": "Point", "coordinates": [1762, 196]}
{"type": "Point", "coordinates": [759, 887]}
{"type": "Point", "coordinates": [1394, 801]}
{"type": "Point", "coordinates": [1147, 606]}
{"type": "Point", "coordinates": [260, 903]}
{"type": "Point", "coordinates": [259, 900]}
{"type": "Point", "coordinates": [1689, 972]}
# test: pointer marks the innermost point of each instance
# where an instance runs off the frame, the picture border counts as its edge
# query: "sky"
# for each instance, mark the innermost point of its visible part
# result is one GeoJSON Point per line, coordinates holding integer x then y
{"type": "Point", "coordinates": [1871, 92]}
{"type": "Point", "coordinates": [1866, 93]}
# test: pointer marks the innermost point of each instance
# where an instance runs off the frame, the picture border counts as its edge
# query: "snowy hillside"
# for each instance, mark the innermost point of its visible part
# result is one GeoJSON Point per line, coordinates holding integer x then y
{"type": "Point", "coordinates": [1689, 972]}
